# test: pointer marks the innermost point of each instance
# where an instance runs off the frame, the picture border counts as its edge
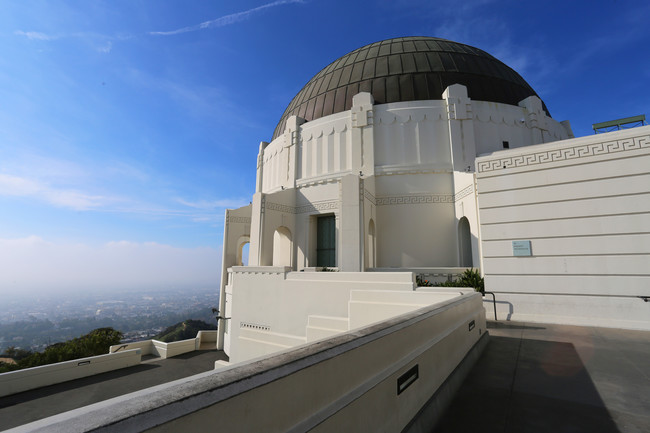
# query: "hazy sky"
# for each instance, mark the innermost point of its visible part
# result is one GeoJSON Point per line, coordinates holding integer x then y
{"type": "Point", "coordinates": [127, 127]}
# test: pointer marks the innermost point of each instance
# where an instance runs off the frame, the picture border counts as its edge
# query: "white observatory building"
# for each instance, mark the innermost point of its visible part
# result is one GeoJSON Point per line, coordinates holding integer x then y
{"type": "Point", "coordinates": [370, 168]}
{"type": "Point", "coordinates": [405, 160]}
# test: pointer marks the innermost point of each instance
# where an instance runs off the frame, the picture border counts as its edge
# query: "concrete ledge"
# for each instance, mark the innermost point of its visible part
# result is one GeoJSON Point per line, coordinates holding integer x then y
{"type": "Point", "coordinates": [347, 382]}
{"type": "Point", "coordinates": [354, 277]}
{"type": "Point", "coordinates": [203, 340]}
{"type": "Point", "coordinates": [37, 377]}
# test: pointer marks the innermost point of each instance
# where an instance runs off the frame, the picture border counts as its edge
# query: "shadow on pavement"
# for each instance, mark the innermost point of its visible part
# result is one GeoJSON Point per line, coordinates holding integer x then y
{"type": "Point", "coordinates": [524, 385]}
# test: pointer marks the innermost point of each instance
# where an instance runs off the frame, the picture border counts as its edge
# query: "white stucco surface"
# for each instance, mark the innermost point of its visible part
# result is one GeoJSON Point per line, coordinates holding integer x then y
{"type": "Point", "coordinates": [584, 205]}
{"type": "Point", "coordinates": [397, 178]}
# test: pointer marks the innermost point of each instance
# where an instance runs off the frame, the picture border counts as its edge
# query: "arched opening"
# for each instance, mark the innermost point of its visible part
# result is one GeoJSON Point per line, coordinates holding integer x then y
{"type": "Point", "coordinates": [282, 247]}
{"type": "Point", "coordinates": [371, 245]}
{"type": "Point", "coordinates": [242, 251]}
{"type": "Point", "coordinates": [464, 243]}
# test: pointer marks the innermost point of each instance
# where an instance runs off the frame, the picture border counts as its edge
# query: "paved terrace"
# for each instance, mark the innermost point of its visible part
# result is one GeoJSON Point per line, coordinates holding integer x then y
{"type": "Point", "coordinates": [40, 403]}
{"type": "Point", "coordinates": [552, 378]}
{"type": "Point", "coordinates": [531, 378]}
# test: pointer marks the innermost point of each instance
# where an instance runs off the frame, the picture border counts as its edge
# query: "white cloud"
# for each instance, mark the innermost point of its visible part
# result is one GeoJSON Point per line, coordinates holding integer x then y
{"type": "Point", "coordinates": [101, 43]}
{"type": "Point", "coordinates": [106, 48]}
{"type": "Point", "coordinates": [214, 204]}
{"type": "Point", "coordinates": [33, 264]}
{"type": "Point", "coordinates": [35, 35]}
{"type": "Point", "coordinates": [24, 187]}
{"type": "Point", "coordinates": [226, 19]}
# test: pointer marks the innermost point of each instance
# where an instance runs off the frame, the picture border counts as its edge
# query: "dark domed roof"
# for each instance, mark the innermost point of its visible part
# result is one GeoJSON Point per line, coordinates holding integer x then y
{"type": "Point", "coordinates": [406, 69]}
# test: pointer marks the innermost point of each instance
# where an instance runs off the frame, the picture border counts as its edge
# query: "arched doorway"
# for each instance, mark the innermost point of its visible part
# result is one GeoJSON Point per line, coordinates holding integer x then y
{"type": "Point", "coordinates": [464, 243]}
{"type": "Point", "coordinates": [242, 251]}
{"type": "Point", "coordinates": [282, 247]}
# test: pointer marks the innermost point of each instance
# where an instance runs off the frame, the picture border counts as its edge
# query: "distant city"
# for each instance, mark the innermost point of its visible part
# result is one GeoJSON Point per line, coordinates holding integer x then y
{"type": "Point", "coordinates": [34, 322]}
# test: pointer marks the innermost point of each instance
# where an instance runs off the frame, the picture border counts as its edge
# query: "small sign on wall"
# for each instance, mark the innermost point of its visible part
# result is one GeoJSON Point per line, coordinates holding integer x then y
{"type": "Point", "coordinates": [521, 249]}
{"type": "Point", "coordinates": [405, 380]}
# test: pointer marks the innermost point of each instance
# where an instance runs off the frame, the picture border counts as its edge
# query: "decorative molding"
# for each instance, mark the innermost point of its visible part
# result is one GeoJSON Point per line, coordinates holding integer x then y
{"type": "Point", "coordinates": [564, 154]}
{"type": "Point", "coordinates": [236, 219]}
{"type": "Point", "coordinates": [415, 199]}
{"type": "Point", "coordinates": [321, 180]}
{"type": "Point", "coordinates": [280, 207]}
{"type": "Point", "coordinates": [390, 170]}
{"type": "Point", "coordinates": [463, 193]}
{"type": "Point", "coordinates": [318, 206]}
{"type": "Point", "coordinates": [311, 207]}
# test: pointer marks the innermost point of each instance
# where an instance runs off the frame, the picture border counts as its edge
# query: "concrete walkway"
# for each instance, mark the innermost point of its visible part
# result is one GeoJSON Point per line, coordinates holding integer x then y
{"type": "Point", "coordinates": [28, 406]}
{"type": "Point", "coordinates": [553, 378]}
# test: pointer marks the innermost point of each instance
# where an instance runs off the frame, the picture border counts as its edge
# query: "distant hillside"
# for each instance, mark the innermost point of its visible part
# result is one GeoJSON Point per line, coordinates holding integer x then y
{"type": "Point", "coordinates": [96, 342]}
{"type": "Point", "coordinates": [184, 330]}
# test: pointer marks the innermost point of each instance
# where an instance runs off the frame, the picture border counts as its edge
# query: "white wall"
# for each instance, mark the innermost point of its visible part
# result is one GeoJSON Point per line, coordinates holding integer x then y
{"type": "Point", "coordinates": [412, 157]}
{"type": "Point", "coordinates": [279, 303]}
{"type": "Point", "coordinates": [345, 383]}
{"type": "Point", "coordinates": [584, 204]}
{"type": "Point", "coordinates": [31, 378]}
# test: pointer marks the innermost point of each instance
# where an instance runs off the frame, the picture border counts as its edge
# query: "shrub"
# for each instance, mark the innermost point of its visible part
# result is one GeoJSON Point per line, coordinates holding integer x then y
{"type": "Point", "coordinates": [421, 282]}
{"type": "Point", "coordinates": [469, 278]}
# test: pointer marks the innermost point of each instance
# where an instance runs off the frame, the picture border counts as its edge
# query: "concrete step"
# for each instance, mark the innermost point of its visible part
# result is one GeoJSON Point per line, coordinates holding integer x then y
{"type": "Point", "coordinates": [325, 326]}
{"type": "Point", "coordinates": [328, 322]}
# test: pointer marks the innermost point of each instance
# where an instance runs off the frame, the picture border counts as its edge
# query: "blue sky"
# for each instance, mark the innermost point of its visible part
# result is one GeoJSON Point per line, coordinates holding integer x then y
{"type": "Point", "coordinates": [127, 127]}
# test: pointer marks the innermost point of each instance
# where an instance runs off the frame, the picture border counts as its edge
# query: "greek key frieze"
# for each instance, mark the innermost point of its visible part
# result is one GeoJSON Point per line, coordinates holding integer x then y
{"type": "Point", "coordinates": [415, 199]}
{"type": "Point", "coordinates": [581, 151]}
{"type": "Point", "coordinates": [280, 207]}
{"type": "Point", "coordinates": [241, 220]}
{"type": "Point", "coordinates": [318, 206]}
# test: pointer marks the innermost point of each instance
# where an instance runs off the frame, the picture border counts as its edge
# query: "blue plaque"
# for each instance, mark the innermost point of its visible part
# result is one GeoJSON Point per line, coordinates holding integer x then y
{"type": "Point", "coordinates": [521, 249]}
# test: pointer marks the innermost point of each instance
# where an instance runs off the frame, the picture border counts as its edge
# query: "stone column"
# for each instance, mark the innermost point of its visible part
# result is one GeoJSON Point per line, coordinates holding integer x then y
{"type": "Point", "coordinates": [362, 134]}
{"type": "Point", "coordinates": [460, 122]}
{"type": "Point", "coordinates": [352, 230]}
{"type": "Point", "coordinates": [257, 230]}
{"type": "Point", "coordinates": [291, 144]}
{"type": "Point", "coordinates": [537, 120]}
{"type": "Point", "coordinates": [260, 167]}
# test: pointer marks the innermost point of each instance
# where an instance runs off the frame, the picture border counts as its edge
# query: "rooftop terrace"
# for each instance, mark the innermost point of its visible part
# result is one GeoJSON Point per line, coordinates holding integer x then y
{"type": "Point", "coordinates": [28, 406]}
{"type": "Point", "coordinates": [531, 378]}
{"type": "Point", "coordinates": [553, 378]}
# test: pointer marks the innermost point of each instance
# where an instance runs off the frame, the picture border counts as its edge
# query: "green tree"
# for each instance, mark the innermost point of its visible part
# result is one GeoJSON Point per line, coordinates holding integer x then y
{"type": "Point", "coordinates": [96, 342]}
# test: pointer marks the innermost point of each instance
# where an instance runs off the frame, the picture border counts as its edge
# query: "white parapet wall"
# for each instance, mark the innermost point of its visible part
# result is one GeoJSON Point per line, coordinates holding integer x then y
{"type": "Point", "coordinates": [565, 230]}
{"type": "Point", "coordinates": [37, 377]}
{"type": "Point", "coordinates": [370, 306]}
{"type": "Point", "coordinates": [146, 347]}
{"type": "Point", "coordinates": [269, 307]}
{"type": "Point", "coordinates": [376, 378]}
{"type": "Point", "coordinates": [206, 339]}
{"type": "Point", "coordinates": [119, 356]}
{"type": "Point", "coordinates": [203, 339]}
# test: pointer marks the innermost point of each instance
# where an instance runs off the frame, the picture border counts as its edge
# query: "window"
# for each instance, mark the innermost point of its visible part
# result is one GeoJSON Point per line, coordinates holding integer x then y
{"type": "Point", "coordinates": [464, 243]}
{"type": "Point", "coordinates": [326, 241]}
{"type": "Point", "coordinates": [506, 145]}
